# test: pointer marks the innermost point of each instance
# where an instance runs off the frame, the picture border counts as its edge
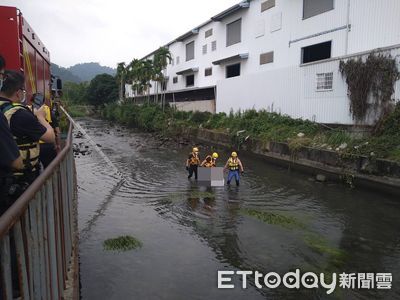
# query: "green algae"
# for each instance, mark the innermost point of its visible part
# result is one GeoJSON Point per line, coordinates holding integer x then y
{"type": "Point", "coordinates": [336, 257]}
{"type": "Point", "coordinates": [122, 243]}
{"type": "Point", "coordinates": [274, 218]}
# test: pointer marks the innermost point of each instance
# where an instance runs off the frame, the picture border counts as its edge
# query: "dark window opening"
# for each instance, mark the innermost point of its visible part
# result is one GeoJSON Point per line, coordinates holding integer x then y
{"type": "Point", "coordinates": [190, 80]}
{"type": "Point", "coordinates": [163, 85]}
{"type": "Point", "coordinates": [234, 33]}
{"type": "Point", "coordinates": [315, 7]}
{"type": "Point", "coordinates": [175, 80]}
{"type": "Point", "coordinates": [190, 51]}
{"type": "Point", "coordinates": [316, 52]}
{"type": "Point", "coordinates": [208, 72]}
{"type": "Point", "coordinates": [233, 71]}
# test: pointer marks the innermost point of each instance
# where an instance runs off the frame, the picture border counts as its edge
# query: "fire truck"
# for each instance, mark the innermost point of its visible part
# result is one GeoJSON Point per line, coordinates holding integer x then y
{"type": "Point", "coordinates": [25, 52]}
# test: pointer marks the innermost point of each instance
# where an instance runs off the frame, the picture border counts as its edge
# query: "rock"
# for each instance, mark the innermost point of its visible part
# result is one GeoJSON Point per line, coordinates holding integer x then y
{"type": "Point", "coordinates": [372, 154]}
{"type": "Point", "coordinates": [98, 145]}
{"type": "Point", "coordinates": [320, 178]}
{"type": "Point", "coordinates": [329, 148]}
{"type": "Point", "coordinates": [300, 135]}
{"type": "Point", "coordinates": [343, 146]}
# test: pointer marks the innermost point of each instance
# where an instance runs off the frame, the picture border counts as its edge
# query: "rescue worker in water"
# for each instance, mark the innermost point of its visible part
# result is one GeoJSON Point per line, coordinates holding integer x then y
{"type": "Point", "coordinates": [210, 161]}
{"type": "Point", "coordinates": [193, 162]}
{"type": "Point", "coordinates": [234, 165]}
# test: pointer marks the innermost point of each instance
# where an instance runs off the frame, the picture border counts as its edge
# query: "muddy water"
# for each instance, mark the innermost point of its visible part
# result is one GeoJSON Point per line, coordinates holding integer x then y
{"type": "Point", "coordinates": [276, 221]}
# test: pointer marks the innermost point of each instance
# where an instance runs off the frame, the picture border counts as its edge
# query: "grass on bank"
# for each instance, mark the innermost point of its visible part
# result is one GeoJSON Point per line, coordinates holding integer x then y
{"type": "Point", "coordinates": [385, 143]}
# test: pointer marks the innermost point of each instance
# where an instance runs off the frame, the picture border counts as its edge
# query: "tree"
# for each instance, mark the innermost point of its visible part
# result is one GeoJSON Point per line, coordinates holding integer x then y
{"type": "Point", "coordinates": [75, 92]}
{"type": "Point", "coordinates": [160, 61]}
{"type": "Point", "coordinates": [102, 89]}
{"type": "Point", "coordinates": [121, 78]}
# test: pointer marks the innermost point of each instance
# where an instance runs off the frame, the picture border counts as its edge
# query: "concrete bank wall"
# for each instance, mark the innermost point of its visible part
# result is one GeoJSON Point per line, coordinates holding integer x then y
{"type": "Point", "coordinates": [356, 171]}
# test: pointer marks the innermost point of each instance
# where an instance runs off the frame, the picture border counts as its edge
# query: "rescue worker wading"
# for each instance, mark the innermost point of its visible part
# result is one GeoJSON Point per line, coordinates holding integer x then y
{"type": "Point", "coordinates": [210, 161]}
{"type": "Point", "coordinates": [193, 162]}
{"type": "Point", "coordinates": [234, 165]}
{"type": "Point", "coordinates": [27, 129]}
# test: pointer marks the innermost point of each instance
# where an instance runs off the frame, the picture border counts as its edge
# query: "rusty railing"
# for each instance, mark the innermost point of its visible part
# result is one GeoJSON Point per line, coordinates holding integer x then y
{"type": "Point", "coordinates": [38, 238]}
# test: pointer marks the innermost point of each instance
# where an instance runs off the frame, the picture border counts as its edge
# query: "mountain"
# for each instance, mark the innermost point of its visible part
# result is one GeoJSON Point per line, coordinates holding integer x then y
{"type": "Point", "coordinates": [87, 71]}
{"type": "Point", "coordinates": [81, 72]}
{"type": "Point", "coordinates": [64, 74]}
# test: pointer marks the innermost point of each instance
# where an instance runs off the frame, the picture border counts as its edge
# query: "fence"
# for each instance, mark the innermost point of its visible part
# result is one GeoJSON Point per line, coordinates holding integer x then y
{"type": "Point", "coordinates": [38, 237]}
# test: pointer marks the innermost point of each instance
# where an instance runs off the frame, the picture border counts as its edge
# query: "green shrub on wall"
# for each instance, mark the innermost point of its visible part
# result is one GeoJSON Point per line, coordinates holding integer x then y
{"type": "Point", "coordinates": [373, 78]}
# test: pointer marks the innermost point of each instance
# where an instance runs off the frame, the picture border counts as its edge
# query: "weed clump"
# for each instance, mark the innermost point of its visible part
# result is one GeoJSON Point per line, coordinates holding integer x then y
{"type": "Point", "coordinates": [122, 243]}
{"type": "Point", "coordinates": [278, 219]}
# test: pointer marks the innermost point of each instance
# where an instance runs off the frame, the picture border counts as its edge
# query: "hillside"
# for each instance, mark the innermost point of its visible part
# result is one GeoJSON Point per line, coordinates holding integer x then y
{"type": "Point", "coordinates": [87, 71]}
{"type": "Point", "coordinates": [64, 74]}
{"type": "Point", "coordinates": [80, 72]}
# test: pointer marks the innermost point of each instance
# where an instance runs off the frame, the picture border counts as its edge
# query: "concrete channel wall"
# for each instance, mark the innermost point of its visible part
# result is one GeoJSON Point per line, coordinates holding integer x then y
{"type": "Point", "coordinates": [356, 171]}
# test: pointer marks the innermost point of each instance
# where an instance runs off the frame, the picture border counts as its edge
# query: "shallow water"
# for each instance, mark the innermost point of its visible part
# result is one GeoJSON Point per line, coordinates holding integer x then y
{"type": "Point", "coordinates": [190, 232]}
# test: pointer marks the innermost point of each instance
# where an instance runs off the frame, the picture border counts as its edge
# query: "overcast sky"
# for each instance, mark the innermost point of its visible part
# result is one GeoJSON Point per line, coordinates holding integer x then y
{"type": "Point", "coordinates": [111, 31]}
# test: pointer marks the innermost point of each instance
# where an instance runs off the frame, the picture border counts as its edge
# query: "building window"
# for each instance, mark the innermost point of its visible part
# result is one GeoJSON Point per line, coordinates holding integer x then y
{"type": "Point", "coordinates": [208, 72]}
{"type": "Point", "coordinates": [234, 32]}
{"type": "Point", "coordinates": [267, 58]}
{"type": "Point", "coordinates": [190, 80]}
{"type": "Point", "coordinates": [208, 33]}
{"type": "Point", "coordinates": [316, 52]}
{"type": "Point", "coordinates": [267, 5]}
{"type": "Point", "coordinates": [190, 51]}
{"type": "Point", "coordinates": [233, 70]}
{"type": "Point", "coordinates": [177, 60]}
{"type": "Point", "coordinates": [213, 45]}
{"type": "Point", "coordinates": [324, 82]}
{"type": "Point", "coordinates": [315, 7]}
{"type": "Point", "coordinates": [175, 79]}
{"type": "Point", "coordinates": [172, 62]}
{"type": "Point", "coordinates": [205, 49]}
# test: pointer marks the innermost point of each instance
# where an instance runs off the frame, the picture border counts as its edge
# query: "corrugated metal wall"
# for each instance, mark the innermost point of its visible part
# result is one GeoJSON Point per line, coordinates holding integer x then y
{"type": "Point", "coordinates": [293, 91]}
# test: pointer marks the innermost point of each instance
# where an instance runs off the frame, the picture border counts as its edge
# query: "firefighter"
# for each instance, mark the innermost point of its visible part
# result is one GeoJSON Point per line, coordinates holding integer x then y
{"type": "Point", "coordinates": [210, 161]}
{"type": "Point", "coordinates": [234, 165]}
{"type": "Point", "coordinates": [193, 162]}
{"type": "Point", "coordinates": [10, 158]}
{"type": "Point", "coordinates": [48, 151]}
{"type": "Point", "coordinates": [27, 129]}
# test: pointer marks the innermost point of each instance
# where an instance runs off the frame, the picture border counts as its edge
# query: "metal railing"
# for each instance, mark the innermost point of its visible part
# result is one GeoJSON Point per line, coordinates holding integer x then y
{"type": "Point", "coordinates": [38, 234]}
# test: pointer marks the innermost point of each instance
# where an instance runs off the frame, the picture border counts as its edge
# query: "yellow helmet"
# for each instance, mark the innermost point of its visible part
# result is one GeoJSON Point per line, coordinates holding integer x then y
{"type": "Point", "coordinates": [215, 155]}
{"type": "Point", "coordinates": [195, 149]}
{"type": "Point", "coordinates": [234, 154]}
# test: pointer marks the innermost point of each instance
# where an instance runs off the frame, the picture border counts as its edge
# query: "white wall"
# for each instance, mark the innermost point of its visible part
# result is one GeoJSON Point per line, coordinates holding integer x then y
{"type": "Point", "coordinates": [292, 91]}
{"type": "Point", "coordinates": [200, 105]}
{"type": "Point", "coordinates": [374, 23]}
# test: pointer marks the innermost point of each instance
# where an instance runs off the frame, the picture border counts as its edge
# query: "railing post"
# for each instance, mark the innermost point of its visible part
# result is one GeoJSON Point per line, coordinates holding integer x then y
{"type": "Point", "coordinates": [5, 254]}
{"type": "Point", "coordinates": [57, 226]}
{"type": "Point", "coordinates": [52, 243]}
{"type": "Point", "coordinates": [22, 265]}
{"type": "Point", "coordinates": [29, 246]}
{"type": "Point", "coordinates": [35, 247]}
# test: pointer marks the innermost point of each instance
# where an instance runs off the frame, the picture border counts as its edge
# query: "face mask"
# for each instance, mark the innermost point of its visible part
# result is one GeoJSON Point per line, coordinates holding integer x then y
{"type": "Point", "coordinates": [23, 101]}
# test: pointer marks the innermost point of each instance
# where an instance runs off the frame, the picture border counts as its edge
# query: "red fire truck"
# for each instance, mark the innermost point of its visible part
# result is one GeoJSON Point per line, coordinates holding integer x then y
{"type": "Point", "coordinates": [25, 52]}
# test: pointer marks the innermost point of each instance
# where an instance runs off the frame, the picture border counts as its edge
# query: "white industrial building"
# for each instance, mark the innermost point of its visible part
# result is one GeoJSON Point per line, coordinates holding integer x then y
{"type": "Point", "coordinates": [279, 55]}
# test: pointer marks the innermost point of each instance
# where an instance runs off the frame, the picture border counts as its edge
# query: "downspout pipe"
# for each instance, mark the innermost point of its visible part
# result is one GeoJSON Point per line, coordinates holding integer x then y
{"type": "Point", "coordinates": [348, 27]}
